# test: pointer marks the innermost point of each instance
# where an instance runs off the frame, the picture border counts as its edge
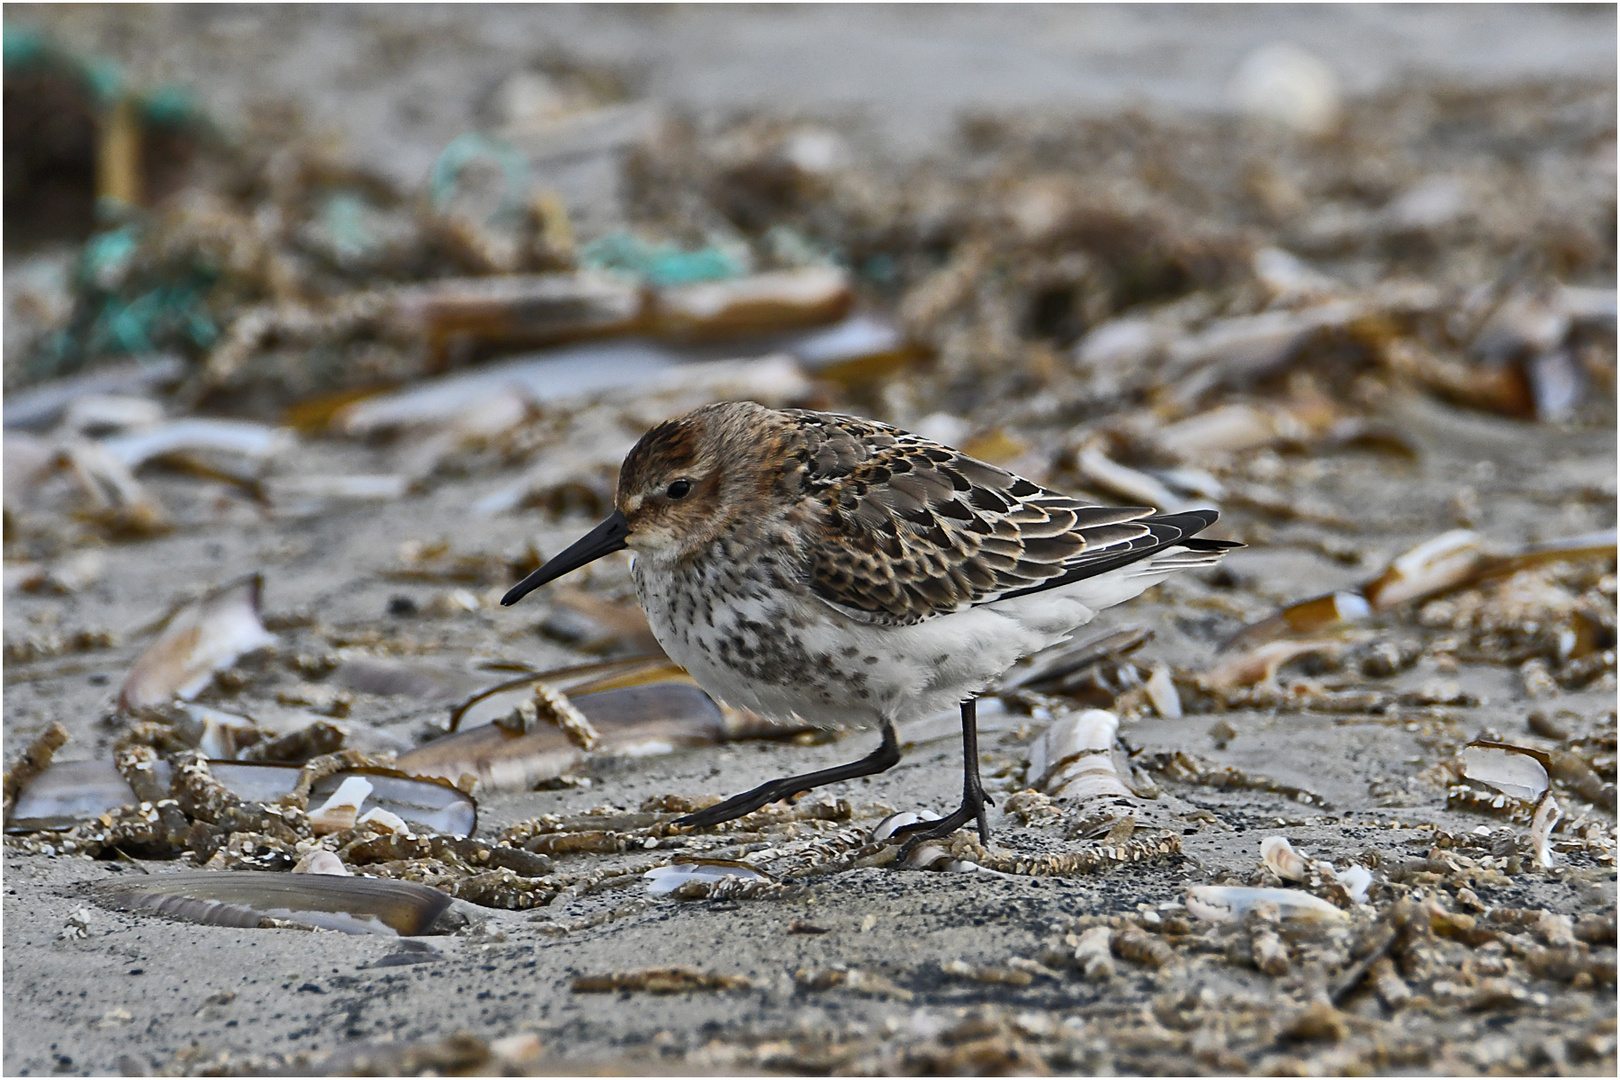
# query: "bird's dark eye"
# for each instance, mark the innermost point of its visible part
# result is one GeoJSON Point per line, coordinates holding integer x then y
{"type": "Point", "coordinates": [679, 489]}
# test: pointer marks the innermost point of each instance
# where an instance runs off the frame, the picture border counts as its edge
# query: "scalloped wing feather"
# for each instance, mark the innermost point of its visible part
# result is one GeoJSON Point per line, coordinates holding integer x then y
{"type": "Point", "coordinates": [911, 530]}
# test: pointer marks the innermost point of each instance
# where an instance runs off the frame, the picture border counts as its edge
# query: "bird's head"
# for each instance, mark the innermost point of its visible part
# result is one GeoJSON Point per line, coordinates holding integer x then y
{"type": "Point", "coordinates": [683, 484]}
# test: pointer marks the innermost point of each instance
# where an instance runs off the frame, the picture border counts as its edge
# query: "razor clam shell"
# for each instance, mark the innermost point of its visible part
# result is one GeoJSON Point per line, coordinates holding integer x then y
{"type": "Point", "coordinates": [203, 637]}
{"type": "Point", "coordinates": [68, 793]}
{"type": "Point", "coordinates": [244, 898]}
{"type": "Point", "coordinates": [1439, 563]}
{"type": "Point", "coordinates": [663, 880]}
{"type": "Point", "coordinates": [1091, 731]}
{"type": "Point", "coordinates": [496, 701]}
{"type": "Point", "coordinates": [251, 443]}
{"type": "Point", "coordinates": [1225, 903]}
{"type": "Point", "coordinates": [1512, 772]}
{"type": "Point", "coordinates": [633, 721]}
{"type": "Point", "coordinates": [421, 801]}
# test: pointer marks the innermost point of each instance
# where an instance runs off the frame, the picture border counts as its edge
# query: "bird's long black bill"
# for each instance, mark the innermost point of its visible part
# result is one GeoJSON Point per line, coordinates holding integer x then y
{"type": "Point", "coordinates": [605, 539]}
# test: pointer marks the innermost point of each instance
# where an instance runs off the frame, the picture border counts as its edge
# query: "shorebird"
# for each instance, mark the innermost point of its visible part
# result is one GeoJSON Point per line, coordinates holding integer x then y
{"type": "Point", "coordinates": [842, 571]}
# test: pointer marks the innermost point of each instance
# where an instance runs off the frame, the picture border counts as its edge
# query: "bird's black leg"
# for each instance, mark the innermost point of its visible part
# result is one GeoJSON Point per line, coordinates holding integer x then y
{"type": "Point", "coordinates": [974, 799]}
{"type": "Point", "coordinates": [884, 757]}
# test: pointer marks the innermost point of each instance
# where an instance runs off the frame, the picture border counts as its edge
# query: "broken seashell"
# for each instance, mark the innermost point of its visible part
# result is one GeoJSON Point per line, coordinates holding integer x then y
{"type": "Point", "coordinates": [1226, 903]}
{"type": "Point", "coordinates": [1279, 856]}
{"type": "Point", "coordinates": [353, 905]}
{"type": "Point", "coordinates": [307, 496]}
{"type": "Point", "coordinates": [236, 449]}
{"type": "Point", "coordinates": [200, 639]}
{"type": "Point", "coordinates": [554, 706]}
{"type": "Point", "coordinates": [321, 861]}
{"type": "Point", "coordinates": [117, 499]}
{"type": "Point", "coordinates": [1087, 732]}
{"type": "Point", "coordinates": [663, 880]}
{"type": "Point", "coordinates": [1161, 692]}
{"type": "Point", "coordinates": [97, 415]}
{"type": "Point", "coordinates": [341, 808]}
{"type": "Point", "coordinates": [1511, 770]}
{"type": "Point", "coordinates": [762, 303]}
{"type": "Point", "coordinates": [888, 826]}
{"type": "Point", "coordinates": [1227, 429]}
{"type": "Point", "coordinates": [1355, 878]}
{"type": "Point", "coordinates": [1128, 483]}
{"type": "Point", "coordinates": [1094, 953]}
{"type": "Point", "coordinates": [1435, 565]}
{"type": "Point", "coordinates": [1074, 759]}
{"type": "Point", "coordinates": [1448, 561]}
{"type": "Point", "coordinates": [514, 309]}
{"type": "Point", "coordinates": [633, 721]}
{"type": "Point", "coordinates": [1259, 666]}
{"type": "Point", "coordinates": [1055, 669]}
{"type": "Point", "coordinates": [69, 574]}
{"type": "Point", "coordinates": [35, 762]}
{"type": "Point", "coordinates": [68, 793]}
{"type": "Point", "coordinates": [933, 857]}
{"type": "Point", "coordinates": [378, 816]}
{"type": "Point", "coordinates": [39, 406]}
{"type": "Point", "coordinates": [1541, 827]}
{"type": "Point", "coordinates": [217, 734]}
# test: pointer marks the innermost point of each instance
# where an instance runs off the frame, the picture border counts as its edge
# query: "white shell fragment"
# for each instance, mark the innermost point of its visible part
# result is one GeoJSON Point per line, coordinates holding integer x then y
{"type": "Point", "coordinates": [113, 491]}
{"type": "Point", "coordinates": [240, 439]}
{"type": "Point", "coordinates": [387, 819]}
{"type": "Point", "coordinates": [1094, 953]}
{"type": "Point", "coordinates": [934, 857]}
{"type": "Point", "coordinates": [1084, 732]}
{"type": "Point", "coordinates": [1438, 563]}
{"type": "Point", "coordinates": [1074, 759]}
{"type": "Point", "coordinates": [887, 827]}
{"type": "Point", "coordinates": [104, 414]}
{"type": "Point", "coordinates": [1226, 903]}
{"type": "Point", "coordinates": [1511, 772]}
{"type": "Point", "coordinates": [321, 861]}
{"type": "Point", "coordinates": [1279, 856]}
{"type": "Point", "coordinates": [306, 496]}
{"type": "Point", "coordinates": [663, 880]}
{"type": "Point", "coordinates": [202, 638]}
{"type": "Point", "coordinates": [1126, 482]}
{"type": "Point", "coordinates": [1541, 827]}
{"type": "Point", "coordinates": [1284, 84]}
{"type": "Point", "coordinates": [1355, 878]}
{"type": "Point", "coordinates": [1161, 692]}
{"type": "Point", "coordinates": [71, 573]}
{"type": "Point", "coordinates": [342, 809]}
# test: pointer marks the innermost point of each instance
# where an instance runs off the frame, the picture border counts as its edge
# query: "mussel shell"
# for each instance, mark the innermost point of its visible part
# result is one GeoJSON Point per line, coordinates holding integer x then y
{"type": "Point", "coordinates": [353, 905]}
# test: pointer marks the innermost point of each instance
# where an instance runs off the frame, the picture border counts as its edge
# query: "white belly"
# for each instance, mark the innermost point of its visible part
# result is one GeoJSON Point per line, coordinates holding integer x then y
{"type": "Point", "coordinates": [794, 656]}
